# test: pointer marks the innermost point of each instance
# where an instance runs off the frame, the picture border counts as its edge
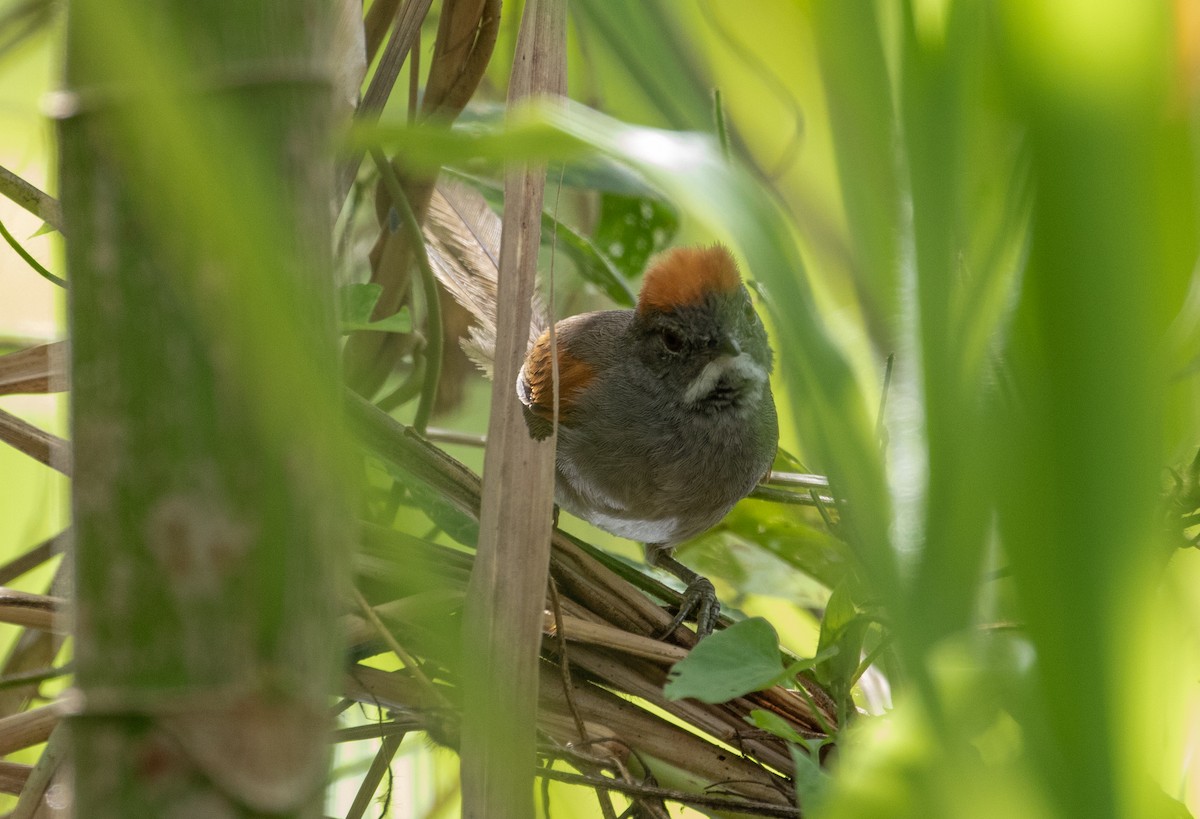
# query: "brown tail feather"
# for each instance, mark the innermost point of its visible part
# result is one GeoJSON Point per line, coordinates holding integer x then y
{"type": "Point", "coordinates": [462, 234]}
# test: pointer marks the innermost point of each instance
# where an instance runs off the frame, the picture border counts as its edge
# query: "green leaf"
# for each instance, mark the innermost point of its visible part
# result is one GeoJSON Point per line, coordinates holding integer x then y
{"type": "Point", "coordinates": [727, 664]}
{"type": "Point", "coordinates": [460, 526]}
{"type": "Point", "coordinates": [632, 228]}
{"type": "Point", "coordinates": [774, 724]}
{"type": "Point", "coordinates": [355, 303]}
{"type": "Point", "coordinates": [790, 538]}
{"type": "Point", "coordinates": [594, 266]}
{"type": "Point", "coordinates": [428, 147]}
{"type": "Point", "coordinates": [811, 780]}
{"type": "Point", "coordinates": [842, 628]}
{"type": "Point", "coordinates": [604, 174]}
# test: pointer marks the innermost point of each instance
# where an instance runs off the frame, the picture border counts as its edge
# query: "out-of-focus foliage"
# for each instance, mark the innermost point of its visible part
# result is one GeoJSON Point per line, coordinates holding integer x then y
{"type": "Point", "coordinates": [1003, 196]}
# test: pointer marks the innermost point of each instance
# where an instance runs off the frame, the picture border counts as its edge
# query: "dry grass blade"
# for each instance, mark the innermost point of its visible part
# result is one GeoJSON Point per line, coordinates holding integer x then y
{"type": "Point", "coordinates": [40, 204]}
{"type": "Point", "coordinates": [33, 650]}
{"type": "Point", "coordinates": [38, 444]}
{"type": "Point", "coordinates": [40, 369]}
{"type": "Point", "coordinates": [506, 596]}
{"type": "Point", "coordinates": [32, 610]}
{"type": "Point", "coordinates": [720, 803]}
{"type": "Point", "coordinates": [466, 35]}
{"type": "Point", "coordinates": [13, 776]}
{"type": "Point", "coordinates": [32, 799]}
{"type": "Point", "coordinates": [35, 557]}
{"type": "Point", "coordinates": [576, 629]}
{"type": "Point", "coordinates": [408, 27]}
{"type": "Point", "coordinates": [370, 782]}
{"type": "Point", "coordinates": [28, 728]}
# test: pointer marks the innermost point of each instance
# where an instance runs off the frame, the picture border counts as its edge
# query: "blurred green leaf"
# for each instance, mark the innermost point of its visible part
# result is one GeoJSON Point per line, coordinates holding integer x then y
{"type": "Point", "coordinates": [355, 303]}
{"type": "Point", "coordinates": [783, 532]}
{"type": "Point", "coordinates": [594, 266]}
{"type": "Point", "coordinates": [656, 56]}
{"type": "Point", "coordinates": [445, 515]}
{"type": "Point", "coordinates": [23, 20]}
{"type": "Point", "coordinates": [843, 631]}
{"type": "Point", "coordinates": [429, 147]}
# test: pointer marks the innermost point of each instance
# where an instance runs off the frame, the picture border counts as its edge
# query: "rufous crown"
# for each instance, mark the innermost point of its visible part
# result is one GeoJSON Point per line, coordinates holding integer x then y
{"type": "Point", "coordinates": [685, 275]}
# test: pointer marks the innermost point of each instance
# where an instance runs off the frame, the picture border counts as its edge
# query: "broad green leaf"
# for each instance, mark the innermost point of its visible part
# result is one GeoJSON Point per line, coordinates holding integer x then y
{"type": "Point", "coordinates": [740, 659]}
{"type": "Point", "coordinates": [784, 532]}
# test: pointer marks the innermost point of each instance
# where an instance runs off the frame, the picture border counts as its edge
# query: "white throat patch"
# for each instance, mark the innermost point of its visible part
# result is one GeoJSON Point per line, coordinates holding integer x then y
{"type": "Point", "coordinates": [742, 367]}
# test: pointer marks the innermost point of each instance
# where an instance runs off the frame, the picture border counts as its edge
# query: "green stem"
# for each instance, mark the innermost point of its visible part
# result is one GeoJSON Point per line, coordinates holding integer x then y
{"type": "Point", "coordinates": [719, 122]}
{"type": "Point", "coordinates": [29, 260]}
{"type": "Point", "coordinates": [433, 352]}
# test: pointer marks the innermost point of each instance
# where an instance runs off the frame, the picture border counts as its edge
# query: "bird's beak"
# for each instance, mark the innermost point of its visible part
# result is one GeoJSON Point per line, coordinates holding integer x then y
{"type": "Point", "coordinates": [727, 345]}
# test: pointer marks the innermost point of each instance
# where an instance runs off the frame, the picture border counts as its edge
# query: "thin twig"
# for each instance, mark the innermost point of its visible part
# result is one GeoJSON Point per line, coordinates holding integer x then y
{"type": "Point", "coordinates": [33, 677]}
{"type": "Point", "coordinates": [564, 664]}
{"type": "Point", "coordinates": [803, 480]}
{"type": "Point", "coordinates": [409, 661]}
{"type": "Point", "coordinates": [453, 436]}
{"type": "Point", "coordinates": [378, 730]}
{"type": "Point", "coordinates": [370, 782]}
{"type": "Point", "coordinates": [786, 496]}
{"type": "Point", "coordinates": [30, 802]}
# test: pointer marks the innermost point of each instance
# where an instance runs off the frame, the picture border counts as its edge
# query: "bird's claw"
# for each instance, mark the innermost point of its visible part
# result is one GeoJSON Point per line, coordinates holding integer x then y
{"type": "Point", "coordinates": [700, 599]}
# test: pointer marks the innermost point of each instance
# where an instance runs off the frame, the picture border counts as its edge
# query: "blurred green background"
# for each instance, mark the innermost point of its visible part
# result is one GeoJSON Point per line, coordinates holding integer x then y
{"type": "Point", "coordinates": [1002, 195]}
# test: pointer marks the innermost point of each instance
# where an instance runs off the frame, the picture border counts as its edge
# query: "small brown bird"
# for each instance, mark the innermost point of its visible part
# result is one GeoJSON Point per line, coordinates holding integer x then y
{"type": "Point", "coordinates": [666, 417]}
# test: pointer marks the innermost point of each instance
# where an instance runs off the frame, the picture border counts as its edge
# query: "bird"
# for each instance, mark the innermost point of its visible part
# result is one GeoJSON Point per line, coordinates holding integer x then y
{"type": "Point", "coordinates": [665, 414]}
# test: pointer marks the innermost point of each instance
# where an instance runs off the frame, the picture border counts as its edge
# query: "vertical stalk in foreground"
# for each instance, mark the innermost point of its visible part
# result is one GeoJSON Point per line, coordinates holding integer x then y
{"type": "Point", "coordinates": [208, 488]}
{"type": "Point", "coordinates": [507, 592]}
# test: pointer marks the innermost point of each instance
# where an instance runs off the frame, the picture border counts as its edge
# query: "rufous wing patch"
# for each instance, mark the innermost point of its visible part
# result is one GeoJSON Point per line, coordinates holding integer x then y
{"type": "Point", "coordinates": [537, 388]}
{"type": "Point", "coordinates": [685, 276]}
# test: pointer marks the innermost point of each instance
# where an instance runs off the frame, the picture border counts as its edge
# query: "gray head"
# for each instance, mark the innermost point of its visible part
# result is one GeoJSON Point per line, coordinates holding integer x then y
{"type": "Point", "coordinates": [697, 330]}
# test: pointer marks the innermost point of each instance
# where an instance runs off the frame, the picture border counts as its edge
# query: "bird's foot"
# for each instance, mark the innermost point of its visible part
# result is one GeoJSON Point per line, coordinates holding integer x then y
{"type": "Point", "coordinates": [699, 596]}
{"type": "Point", "coordinates": [700, 600]}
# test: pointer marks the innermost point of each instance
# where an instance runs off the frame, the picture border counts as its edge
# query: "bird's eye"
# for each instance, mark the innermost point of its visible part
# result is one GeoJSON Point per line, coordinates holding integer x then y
{"type": "Point", "coordinates": [748, 311]}
{"type": "Point", "coordinates": [672, 341]}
